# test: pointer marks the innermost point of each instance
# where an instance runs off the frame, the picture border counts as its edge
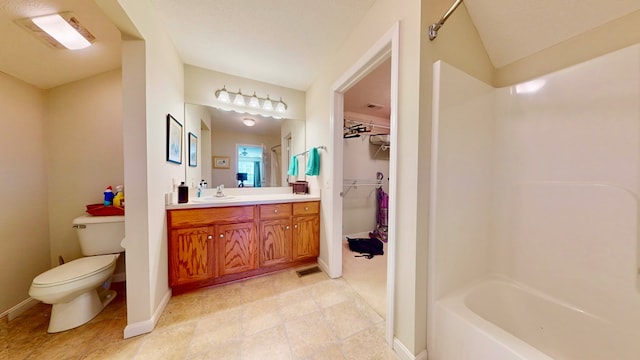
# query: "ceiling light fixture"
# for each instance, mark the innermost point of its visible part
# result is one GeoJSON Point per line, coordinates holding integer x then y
{"type": "Point", "coordinates": [248, 121]}
{"type": "Point", "coordinates": [223, 95]}
{"type": "Point", "coordinates": [62, 31]}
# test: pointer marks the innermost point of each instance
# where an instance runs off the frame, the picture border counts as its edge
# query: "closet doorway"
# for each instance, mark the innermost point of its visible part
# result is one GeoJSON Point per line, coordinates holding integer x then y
{"type": "Point", "coordinates": [385, 49]}
{"type": "Point", "coordinates": [365, 169]}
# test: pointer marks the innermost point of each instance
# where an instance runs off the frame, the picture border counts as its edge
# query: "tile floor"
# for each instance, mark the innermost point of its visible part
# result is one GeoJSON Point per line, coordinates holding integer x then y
{"type": "Point", "coordinates": [280, 316]}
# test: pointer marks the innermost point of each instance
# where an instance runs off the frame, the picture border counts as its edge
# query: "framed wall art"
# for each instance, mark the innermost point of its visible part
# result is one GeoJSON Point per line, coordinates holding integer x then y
{"type": "Point", "coordinates": [174, 140]}
{"type": "Point", "coordinates": [220, 162]}
{"type": "Point", "coordinates": [193, 150]}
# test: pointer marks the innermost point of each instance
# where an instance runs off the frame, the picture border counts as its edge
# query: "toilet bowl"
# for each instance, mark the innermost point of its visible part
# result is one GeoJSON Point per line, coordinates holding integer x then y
{"type": "Point", "coordinates": [80, 289]}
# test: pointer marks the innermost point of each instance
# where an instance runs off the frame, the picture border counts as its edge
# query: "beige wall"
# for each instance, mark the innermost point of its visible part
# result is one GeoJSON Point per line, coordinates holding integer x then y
{"type": "Point", "coordinates": [70, 148]}
{"type": "Point", "coordinates": [153, 86]}
{"type": "Point", "coordinates": [200, 85]}
{"type": "Point", "coordinates": [410, 307]}
{"type": "Point", "coordinates": [194, 116]}
{"type": "Point", "coordinates": [24, 223]}
{"type": "Point", "coordinates": [604, 39]}
{"type": "Point", "coordinates": [360, 204]}
{"type": "Point", "coordinates": [84, 153]}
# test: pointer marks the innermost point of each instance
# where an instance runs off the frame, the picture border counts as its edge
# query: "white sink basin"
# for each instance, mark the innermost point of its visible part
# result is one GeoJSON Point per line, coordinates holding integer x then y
{"type": "Point", "coordinates": [212, 199]}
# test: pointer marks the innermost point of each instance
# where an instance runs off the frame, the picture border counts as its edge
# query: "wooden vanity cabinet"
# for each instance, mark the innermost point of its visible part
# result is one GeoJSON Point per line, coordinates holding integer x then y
{"type": "Point", "coordinates": [236, 248]}
{"type": "Point", "coordinates": [306, 230]}
{"type": "Point", "coordinates": [275, 234]}
{"type": "Point", "coordinates": [191, 258]}
{"type": "Point", "coordinates": [209, 246]}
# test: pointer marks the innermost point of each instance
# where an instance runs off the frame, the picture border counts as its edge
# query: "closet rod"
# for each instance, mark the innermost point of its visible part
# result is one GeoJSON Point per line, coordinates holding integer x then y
{"type": "Point", "coordinates": [371, 124]}
{"type": "Point", "coordinates": [354, 183]}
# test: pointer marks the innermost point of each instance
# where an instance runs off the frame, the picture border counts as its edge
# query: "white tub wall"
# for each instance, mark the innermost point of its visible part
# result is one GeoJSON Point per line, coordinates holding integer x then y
{"type": "Point", "coordinates": [463, 176]}
{"type": "Point", "coordinates": [557, 230]}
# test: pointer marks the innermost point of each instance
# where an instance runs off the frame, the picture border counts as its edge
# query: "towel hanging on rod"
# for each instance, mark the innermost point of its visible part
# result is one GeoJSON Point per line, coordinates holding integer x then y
{"type": "Point", "coordinates": [321, 147]}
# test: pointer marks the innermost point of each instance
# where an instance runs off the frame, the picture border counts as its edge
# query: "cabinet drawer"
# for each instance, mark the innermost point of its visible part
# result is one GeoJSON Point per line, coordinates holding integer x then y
{"type": "Point", "coordinates": [204, 216]}
{"type": "Point", "coordinates": [305, 208]}
{"type": "Point", "coordinates": [275, 211]}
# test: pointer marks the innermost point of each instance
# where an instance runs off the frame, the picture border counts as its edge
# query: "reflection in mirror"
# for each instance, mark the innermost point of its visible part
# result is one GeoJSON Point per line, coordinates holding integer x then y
{"type": "Point", "coordinates": [242, 150]}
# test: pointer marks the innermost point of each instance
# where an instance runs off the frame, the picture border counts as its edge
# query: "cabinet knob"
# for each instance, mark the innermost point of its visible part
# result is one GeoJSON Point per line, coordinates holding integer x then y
{"type": "Point", "coordinates": [295, 226]}
{"type": "Point", "coordinates": [287, 227]}
{"type": "Point", "coordinates": [275, 211]}
{"type": "Point", "coordinates": [306, 208]}
{"type": "Point", "coordinates": [209, 237]}
{"type": "Point", "coordinates": [221, 236]}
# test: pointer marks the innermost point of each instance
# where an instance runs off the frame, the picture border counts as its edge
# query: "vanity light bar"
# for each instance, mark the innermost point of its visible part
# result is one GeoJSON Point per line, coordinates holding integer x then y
{"type": "Point", "coordinates": [225, 96]}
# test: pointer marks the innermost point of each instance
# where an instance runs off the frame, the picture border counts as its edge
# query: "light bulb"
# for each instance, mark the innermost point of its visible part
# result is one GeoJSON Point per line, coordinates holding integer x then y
{"type": "Point", "coordinates": [280, 106]}
{"type": "Point", "coordinates": [239, 99]}
{"type": "Point", "coordinates": [267, 105]}
{"type": "Point", "coordinates": [254, 102]}
{"type": "Point", "coordinates": [223, 96]}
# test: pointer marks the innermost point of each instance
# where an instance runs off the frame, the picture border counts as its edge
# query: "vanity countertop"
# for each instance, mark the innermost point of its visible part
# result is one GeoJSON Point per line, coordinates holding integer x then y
{"type": "Point", "coordinates": [237, 200]}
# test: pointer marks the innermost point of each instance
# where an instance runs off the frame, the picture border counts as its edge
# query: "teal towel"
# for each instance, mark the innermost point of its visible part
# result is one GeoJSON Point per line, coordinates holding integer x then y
{"type": "Point", "coordinates": [293, 166]}
{"type": "Point", "coordinates": [313, 163]}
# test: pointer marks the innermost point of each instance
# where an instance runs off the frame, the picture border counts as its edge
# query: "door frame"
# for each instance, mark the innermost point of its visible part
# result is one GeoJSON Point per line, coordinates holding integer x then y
{"type": "Point", "coordinates": [386, 47]}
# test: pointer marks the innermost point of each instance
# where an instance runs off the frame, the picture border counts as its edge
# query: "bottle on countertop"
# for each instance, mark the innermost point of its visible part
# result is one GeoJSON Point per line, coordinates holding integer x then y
{"type": "Point", "coordinates": [118, 199]}
{"type": "Point", "coordinates": [183, 193]}
{"type": "Point", "coordinates": [108, 196]}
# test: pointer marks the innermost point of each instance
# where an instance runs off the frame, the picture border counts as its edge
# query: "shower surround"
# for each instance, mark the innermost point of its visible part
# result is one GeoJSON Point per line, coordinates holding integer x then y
{"type": "Point", "coordinates": [536, 185]}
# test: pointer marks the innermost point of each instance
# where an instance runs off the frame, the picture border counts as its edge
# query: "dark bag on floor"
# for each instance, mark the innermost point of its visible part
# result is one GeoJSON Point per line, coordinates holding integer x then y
{"type": "Point", "coordinates": [368, 247]}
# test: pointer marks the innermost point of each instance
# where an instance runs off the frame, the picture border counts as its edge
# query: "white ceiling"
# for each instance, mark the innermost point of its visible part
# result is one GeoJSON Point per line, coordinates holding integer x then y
{"type": "Point", "coordinates": [283, 42]}
{"type": "Point", "coordinates": [25, 57]}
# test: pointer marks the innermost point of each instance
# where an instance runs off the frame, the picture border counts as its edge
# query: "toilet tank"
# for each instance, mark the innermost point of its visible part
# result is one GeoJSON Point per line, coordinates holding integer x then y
{"type": "Point", "coordinates": [99, 235]}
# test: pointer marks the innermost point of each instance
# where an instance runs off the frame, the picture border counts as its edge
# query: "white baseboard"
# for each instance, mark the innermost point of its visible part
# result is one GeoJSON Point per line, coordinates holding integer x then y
{"type": "Point", "coordinates": [146, 326]}
{"type": "Point", "coordinates": [364, 234]}
{"type": "Point", "coordinates": [323, 265]}
{"type": "Point", "coordinates": [15, 311]}
{"type": "Point", "coordinates": [405, 354]}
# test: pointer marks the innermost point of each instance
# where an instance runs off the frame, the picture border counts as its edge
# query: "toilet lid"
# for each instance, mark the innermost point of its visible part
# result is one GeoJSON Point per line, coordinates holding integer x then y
{"type": "Point", "coordinates": [75, 270]}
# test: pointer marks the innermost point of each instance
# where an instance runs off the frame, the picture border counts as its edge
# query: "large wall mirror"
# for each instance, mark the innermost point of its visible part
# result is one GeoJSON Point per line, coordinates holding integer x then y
{"type": "Point", "coordinates": [241, 150]}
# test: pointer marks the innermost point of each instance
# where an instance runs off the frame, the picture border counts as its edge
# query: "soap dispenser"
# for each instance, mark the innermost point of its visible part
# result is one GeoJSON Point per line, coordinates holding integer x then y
{"type": "Point", "coordinates": [183, 193]}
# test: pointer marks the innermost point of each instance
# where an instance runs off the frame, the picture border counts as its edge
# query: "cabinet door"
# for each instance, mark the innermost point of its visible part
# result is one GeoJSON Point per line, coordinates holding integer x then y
{"type": "Point", "coordinates": [275, 242]}
{"type": "Point", "coordinates": [191, 256]}
{"type": "Point", "coordinates": [237, 248]}
{"type": "Point", "coordinates": [306, 237]}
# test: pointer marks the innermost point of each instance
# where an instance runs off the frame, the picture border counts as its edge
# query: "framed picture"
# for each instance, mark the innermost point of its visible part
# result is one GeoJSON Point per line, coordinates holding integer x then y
{"type": "Point", "coordinates": [174, 140]}
{"type": "Point", "coordinates": [220, 162]}
{"type": "Point", "coordinates": [193, 150]}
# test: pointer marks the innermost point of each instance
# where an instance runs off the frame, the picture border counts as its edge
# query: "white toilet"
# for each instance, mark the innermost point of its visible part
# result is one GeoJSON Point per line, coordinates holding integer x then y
{"type": "Point", "coordinates": [80, 289]}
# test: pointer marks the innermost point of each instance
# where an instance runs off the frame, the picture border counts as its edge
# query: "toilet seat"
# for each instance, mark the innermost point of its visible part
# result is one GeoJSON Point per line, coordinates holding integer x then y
{"type": "Point", "coordinates": [74, 270]}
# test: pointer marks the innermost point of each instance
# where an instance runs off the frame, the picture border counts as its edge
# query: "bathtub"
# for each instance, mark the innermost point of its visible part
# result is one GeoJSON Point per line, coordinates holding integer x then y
{"type": "Point", "coordinates": [497, 319]}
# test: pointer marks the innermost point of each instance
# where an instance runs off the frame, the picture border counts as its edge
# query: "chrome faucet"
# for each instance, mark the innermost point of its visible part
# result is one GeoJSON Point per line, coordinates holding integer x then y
{"type": "Point", "coordinates": [219, 191]}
